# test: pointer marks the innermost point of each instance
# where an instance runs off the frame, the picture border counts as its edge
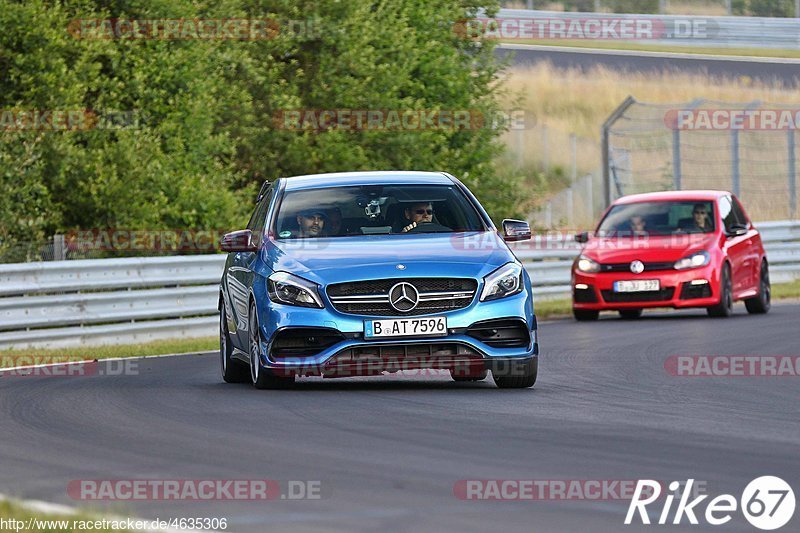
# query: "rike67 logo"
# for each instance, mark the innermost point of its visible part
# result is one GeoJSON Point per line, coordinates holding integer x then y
{"type": "Point", "coordinates": [767, 503]}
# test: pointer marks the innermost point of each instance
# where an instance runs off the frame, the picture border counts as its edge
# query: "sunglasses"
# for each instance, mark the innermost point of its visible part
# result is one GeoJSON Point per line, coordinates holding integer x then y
{"type": "Point", "coordinates": [699, 212]}
{"type": "Point", "coordinates": [424, 211]}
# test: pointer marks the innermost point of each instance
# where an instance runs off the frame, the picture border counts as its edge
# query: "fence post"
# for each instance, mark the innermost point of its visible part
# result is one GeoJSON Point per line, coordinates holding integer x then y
{"type": "Point", "coordinates": [662, 6]}
{"type": "Point", "coordinates": [590, 195]}
{"type": "Point", "coordinates": [530, 4]}
{"type": "Point", "coordinates": [545, 149]}
{"type": "Point", "coordinates": [59, 250]}
{"type": "Point", "coordinates": [573, 140]}
{"type": "Point", "coordinates": [676, 158]}
{"type": "Point", "coordinates": [792, 175]}
{"type": "Point", "coordinates": [548, 215]}
{"type": "Point", "coordinates": [570, 206]}
{"type": "Point", "coordinates": [605, 147]}
{"type": "Point", "coordinates": [520, 136]}
{"type": "Point", "coordinates": [735, 177]}
{"type": "Point", "coordinates": [729, 7]}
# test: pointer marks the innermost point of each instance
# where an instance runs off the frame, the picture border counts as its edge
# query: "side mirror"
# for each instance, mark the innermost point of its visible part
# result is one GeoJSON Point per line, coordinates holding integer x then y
{"type": "Point", "coordinates": [516, 230]}
{"type": "Point", "coordinates": [582, 237]}
{"type": "Point", "coordinates": [737, 230]}
{"type": "Point", "coordinates": [238, 241]}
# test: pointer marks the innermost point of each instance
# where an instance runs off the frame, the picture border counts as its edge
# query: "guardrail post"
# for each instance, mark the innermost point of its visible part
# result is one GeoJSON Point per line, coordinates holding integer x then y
{"type": "Point", "coordinates": [792, 174]}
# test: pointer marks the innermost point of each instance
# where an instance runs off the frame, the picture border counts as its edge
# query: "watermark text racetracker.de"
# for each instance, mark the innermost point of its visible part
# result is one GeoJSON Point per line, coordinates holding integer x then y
{"type": "Point", "coordinates": [193, 489]}
{"type": "Point", "coordinates": [32, 365]}
{"type": "Point", "coordinates": [608, 28]}
{"type": "Point", "coordinates": [732, 366]}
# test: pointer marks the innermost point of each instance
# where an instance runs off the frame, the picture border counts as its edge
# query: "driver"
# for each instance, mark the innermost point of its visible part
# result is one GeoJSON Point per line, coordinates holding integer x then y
{"type": "Point", "coordinates": [700, 220]}
{"type": "Point", "coordinates": [311, 223]}
{"type": "Point", "coordinates": [418, 213]}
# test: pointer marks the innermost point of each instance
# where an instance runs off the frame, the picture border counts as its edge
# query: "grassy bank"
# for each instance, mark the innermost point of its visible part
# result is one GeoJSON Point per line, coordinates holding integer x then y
{"type": "Point", "coordinates": [31, 521]}
{"type": "Point", "coordinates": [645, 47]}
{"type": "Point", "coordinates": [200, 344]}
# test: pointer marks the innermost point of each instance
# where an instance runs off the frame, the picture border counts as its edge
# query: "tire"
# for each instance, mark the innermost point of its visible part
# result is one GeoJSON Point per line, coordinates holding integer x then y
{"type": "Point", "coordinates": [518, 380]}
{"type": "Point", "coordinates": [261, 377]}
{"type": "Point", "coordinates": [724, 308]}
{"type": "Point", "coordinates": [762, 303]}
{"type": "Point", "coordinates": [461, 376]}
{"type": "Point", "coordinates": [630, 314]}
{"type": "Point", "coordinates": [584, 315]}
{"type": "Point", "coordinates": [233, 370]}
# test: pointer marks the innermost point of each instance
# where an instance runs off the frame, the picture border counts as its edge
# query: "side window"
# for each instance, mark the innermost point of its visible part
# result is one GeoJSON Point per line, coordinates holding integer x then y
{"type": "Point", "coordinates": [259, 218]}
{"type": "Point", "coordinates": [738, 211]}
{"type": "Point", "coordinates": [727, 214]}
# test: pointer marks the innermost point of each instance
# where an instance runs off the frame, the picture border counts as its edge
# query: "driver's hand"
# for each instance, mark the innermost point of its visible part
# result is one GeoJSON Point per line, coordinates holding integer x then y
{"type": "Point", "coordinates": [409, 227]}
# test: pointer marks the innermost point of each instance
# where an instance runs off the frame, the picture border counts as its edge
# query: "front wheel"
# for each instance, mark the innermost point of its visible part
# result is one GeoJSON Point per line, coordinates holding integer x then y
{"type": "Point", "coordinates": [261, 377]}
{"type": "Point", "coordinates": [724, 308]}
{"type": "Point", "coordinates": [233, 371]}
{"type": "Point", "coordinates": [761, 304]}
{"type": "Point", "coordinates": [518, 378]}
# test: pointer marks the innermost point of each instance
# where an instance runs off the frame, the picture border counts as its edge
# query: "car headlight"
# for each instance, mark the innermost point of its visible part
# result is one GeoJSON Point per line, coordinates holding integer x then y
{"type": "Point", "coordinates": [695, 260]}
{"type": "Point", "coordinates": [505, 281]}
{"type": "Point", "coordinates": [587, 265]}
{"type": "Point", "coordinates": [289, 289]}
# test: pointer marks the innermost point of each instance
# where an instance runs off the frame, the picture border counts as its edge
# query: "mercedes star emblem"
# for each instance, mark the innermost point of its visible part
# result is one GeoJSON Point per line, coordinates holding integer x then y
{"type": "Point", "coordinates": [403, 297]}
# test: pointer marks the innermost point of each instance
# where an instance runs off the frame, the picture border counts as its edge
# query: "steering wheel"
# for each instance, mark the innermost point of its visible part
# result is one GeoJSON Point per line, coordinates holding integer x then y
{"type": "Point", "coordinates": [429, 227]}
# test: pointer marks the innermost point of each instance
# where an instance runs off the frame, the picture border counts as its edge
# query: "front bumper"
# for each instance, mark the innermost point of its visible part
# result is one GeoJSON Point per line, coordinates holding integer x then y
{"type": "Point", "coordinates": [355, 355]}
{"type": "Point", "coordinates": [595, 291]}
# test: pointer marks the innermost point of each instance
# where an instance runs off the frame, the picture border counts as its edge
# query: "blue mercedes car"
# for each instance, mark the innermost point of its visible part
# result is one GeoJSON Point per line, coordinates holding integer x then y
{"type": "Point", "coordinates": [367, 273]}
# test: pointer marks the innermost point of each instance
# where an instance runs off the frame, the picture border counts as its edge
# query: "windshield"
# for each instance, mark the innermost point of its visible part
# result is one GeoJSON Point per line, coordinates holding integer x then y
{"type": "Point", "coordinates": [658, 218]}
{"type": "Point", "coordinates": [375, 209]}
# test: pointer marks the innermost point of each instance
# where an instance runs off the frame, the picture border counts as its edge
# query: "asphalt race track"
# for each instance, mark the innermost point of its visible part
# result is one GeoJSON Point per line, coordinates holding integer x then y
{"type": "Point", "coordinates": [388, 451]}
{"type": "Point", "coordinates": [785, 71]}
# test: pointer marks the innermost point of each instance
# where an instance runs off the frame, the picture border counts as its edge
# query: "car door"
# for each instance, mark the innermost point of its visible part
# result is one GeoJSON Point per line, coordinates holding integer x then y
{"type": "Point", "coordinates": [736, 247]}
{"type": "Point", "coordinates": [753, 243]}
{"type": "Point", "coordinates": [240, 274]}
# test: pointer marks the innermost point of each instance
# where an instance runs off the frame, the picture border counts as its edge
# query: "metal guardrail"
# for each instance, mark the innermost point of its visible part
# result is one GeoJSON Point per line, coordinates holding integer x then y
{"type": "Point", "coordinates": [117, 301]}
{"type": "Point", "coordinates": [684, 30]}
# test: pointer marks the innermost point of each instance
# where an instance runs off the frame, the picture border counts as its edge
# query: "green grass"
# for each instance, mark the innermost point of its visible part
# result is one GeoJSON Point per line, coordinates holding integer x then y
{"type": "Point", "coordinates": [643, 47]}
{"type": "Point", "coordinates": [11, 510]}
{"type": "Point", "coordinates": [562, 307]}
{"type": "Point", "coordinates": [200, 344]}
{"type": "Point", "coordinates": [783, 291]}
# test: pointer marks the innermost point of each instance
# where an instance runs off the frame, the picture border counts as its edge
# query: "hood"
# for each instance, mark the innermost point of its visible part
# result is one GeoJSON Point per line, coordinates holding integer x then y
{"type": "Point", "coordinates": [340, 259]}
{"type": "Point", "coordinates": [654, 249]}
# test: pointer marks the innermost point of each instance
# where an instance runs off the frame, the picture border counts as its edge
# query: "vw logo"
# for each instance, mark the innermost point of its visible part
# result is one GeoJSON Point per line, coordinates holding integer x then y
{"type": "Point", "coordinates": [637, 267]}
{"type": "Point", "coordinates": [403, 297]}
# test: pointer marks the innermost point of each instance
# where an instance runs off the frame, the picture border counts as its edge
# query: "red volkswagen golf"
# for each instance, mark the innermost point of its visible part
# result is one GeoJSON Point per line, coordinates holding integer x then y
{"type": "Point", "coordinates": [671, 249]}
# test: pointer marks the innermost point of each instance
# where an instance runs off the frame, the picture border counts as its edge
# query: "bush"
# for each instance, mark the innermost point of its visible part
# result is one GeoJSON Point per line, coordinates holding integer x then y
{"type": "Point", "coordinates": [203, 138]}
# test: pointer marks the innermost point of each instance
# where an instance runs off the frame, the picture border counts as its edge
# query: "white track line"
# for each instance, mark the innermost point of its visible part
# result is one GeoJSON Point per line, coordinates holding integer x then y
{"type": "Point", "coordinates": [642, 53]}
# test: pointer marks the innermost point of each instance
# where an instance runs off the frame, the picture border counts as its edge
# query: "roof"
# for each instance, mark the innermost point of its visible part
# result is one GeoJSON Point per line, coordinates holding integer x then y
{"type": "Point", "coordinates": [671, 195]}
{"type": "Point", "coordinates": [343, 179]}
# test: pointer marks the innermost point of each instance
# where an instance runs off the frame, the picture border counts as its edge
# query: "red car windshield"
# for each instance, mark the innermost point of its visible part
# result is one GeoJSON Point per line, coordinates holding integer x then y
{"type": "Point", "coordinates": [658, 218]}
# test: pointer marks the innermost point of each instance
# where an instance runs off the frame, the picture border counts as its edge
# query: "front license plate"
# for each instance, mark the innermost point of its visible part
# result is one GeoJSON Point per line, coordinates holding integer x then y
{"type": "Point", "coordinates": [639, 285]}
{"type": "Point", "coordinates": [432, 326]}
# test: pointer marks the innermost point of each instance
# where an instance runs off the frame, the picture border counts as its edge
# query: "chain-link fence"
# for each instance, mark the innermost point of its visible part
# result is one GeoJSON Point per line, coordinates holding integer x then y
{"type": "Point", "coordinates": [572, 167]}
{"type": "Point", "coordinates": [749, 149]}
